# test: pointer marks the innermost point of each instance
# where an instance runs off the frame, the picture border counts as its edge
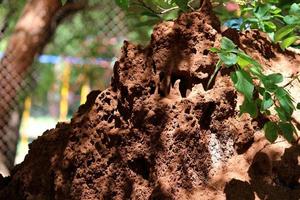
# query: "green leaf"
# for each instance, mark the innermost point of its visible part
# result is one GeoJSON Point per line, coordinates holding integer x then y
{"type": "Point", "coordinates": [291, 19]}
{"type": "Point", "coordinates": [248, 59]}
{"type": "Point", "coordinates": [122, 3]}
{"type": "Point", "coordinates": [242, 62]}
{"type": "Point", "coordinates": [269, 85]}
{"type": "Point", "coordinates": [284, 31]}
{"type": "Point", "coordinates": [214, 50]}
{"type": "Point", "coordinates": [164, 4]}
{"type": "Point", "coordinates": [282, 114]}
{"type": "Point", "coordinates": [227, 44]}
{"type": "Point", "coordinates": [267, 101]}
{"type": "Point", "coordinates": [261, 11]}
{"type": "Point", "coordinates": [298, 106]}
{"type": "Point", "coordinates": [249, 107]}
{"type": "Point", "coordinates": [287, 130]}
{"type": "Point", "coordinates": [150, 14]}
{"type": "Point", "coordinates": [271, 36]}
{"type": "Point", "coordinates": [271, 131]}
{"type": "Point", "coordinates": [275, 10]}
{"type": "Point", "coordinates": [228, 58]}
{"type": "Point", "coordinates": [243, 83]}
{"type": "Point", "coordinates": [275, 78]}
{"type": "Point", "coordinates": [294, 9]}
{"type": "Point", "coordinates": [273, 1]}
{"type": "Point", "coordinates": [285, 101]}
{"type": "Point", "coordinates": [251, 20]}
{"type": "Point", "coordinates": [288, 42]}
{"type": "Point", "coordinates": [147, 23]}
{"type": "Point", "coordinates": [256, 71]}
{"type": "Point", "coordinates": [182, 4]}
{"type": "Point", "coordinates": [269, 26]}
{"type": "Point", "coordinates": [251, 23]}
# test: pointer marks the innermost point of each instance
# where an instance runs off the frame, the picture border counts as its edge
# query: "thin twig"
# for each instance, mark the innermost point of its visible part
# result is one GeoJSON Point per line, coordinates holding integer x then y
{"type": "Point", "coordinates": [164, 11]}
{"type": "Point", "coordinates": [294, 77]}
{"type": "Point", "coordinates": [169, 10]}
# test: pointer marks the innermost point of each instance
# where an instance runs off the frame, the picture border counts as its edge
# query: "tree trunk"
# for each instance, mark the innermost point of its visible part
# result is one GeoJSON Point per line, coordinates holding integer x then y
{"type": "Point", "coordinates": [31, 34]}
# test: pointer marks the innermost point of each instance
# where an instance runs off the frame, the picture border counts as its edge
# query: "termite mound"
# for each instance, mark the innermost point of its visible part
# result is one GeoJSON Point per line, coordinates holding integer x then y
{"type": "Point", "coordinates": [159, 132]}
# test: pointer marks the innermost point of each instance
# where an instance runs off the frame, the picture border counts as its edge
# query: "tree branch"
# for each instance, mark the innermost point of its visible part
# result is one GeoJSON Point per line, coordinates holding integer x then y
{"type": "Point", "coordinates": [67, 10]}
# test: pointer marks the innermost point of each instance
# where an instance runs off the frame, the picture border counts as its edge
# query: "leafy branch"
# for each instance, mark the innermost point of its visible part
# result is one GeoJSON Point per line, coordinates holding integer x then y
{"type": "Point", "coordinates": [157, 7]}
{"type": "Point", "coordinates": [262, 93]}
{"type": "Point", "coordinates": [268, 18]}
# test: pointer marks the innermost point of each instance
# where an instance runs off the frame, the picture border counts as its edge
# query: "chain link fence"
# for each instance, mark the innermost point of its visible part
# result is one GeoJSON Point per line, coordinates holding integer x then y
{"type": "Point", "coordinates": [112, 25]}
{"type": "Point", "coordinates": [11, 109]}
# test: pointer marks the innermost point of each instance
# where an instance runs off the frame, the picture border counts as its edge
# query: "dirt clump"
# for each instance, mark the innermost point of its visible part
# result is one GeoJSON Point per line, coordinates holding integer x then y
{"type": "Point", "coordinates": [159, 132]}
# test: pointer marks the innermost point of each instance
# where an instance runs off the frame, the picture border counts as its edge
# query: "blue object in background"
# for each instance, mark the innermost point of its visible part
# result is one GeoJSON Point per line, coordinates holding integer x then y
{"type": "Point", "coordinates": [234, 23]}
{"type": "Point", "coordinates": [53, 59]}
{"type": "Point", "coordinates": [49, 59]}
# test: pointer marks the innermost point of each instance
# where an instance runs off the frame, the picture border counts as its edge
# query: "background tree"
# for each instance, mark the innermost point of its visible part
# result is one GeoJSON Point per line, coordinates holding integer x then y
{"type": "Point", "coordinates": [32, 32]}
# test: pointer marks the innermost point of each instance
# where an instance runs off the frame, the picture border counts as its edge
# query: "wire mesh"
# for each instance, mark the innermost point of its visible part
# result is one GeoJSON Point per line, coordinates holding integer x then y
{"type": "Point", "coordinates": [16, 85]}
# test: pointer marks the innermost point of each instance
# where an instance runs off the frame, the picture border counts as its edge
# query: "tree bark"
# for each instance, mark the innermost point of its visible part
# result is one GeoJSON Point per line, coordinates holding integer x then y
{"type": "Point", "coordinates": [31, 34]}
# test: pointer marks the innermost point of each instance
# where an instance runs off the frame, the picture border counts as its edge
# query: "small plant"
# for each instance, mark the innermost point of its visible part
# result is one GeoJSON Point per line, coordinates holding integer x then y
{"type": "Point", "coordinates": [142, 15]}
{"type": "Point", "coordinates": [156, 7]}
{"type": "Point", "coordinates": [261, 16]}
{"type": "Point", "coordinates": [268, 18]}
{"type": "Point", "coordinates": [263, 94]}
{"type": "Point", "coordinates": [287, 34]}
{"type": "Point", "coordinates": [256, 14]}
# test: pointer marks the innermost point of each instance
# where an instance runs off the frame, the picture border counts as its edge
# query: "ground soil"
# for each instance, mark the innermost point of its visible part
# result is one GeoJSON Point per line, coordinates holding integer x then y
{"type": "Point", "coordinates": [159, 132]}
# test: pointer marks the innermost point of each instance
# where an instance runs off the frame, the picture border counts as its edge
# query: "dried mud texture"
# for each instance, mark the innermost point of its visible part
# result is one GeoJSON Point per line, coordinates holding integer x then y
{"type": "Point", "coordinates": [159, 133]}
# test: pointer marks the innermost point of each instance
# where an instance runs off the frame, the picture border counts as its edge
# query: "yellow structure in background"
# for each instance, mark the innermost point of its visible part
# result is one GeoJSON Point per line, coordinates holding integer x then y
{"type": "Point", "coordinates": [22, 147]}
{"type": "Point", "coordinates": [84, 91]}
{"type": "Point", "coordinates": [25, 120]}
{"type": "Point", "coordinates": [64, 93]}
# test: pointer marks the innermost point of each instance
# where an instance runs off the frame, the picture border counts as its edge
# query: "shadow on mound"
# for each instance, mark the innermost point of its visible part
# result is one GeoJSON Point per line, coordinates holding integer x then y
{"type": "Point", "coordinates": [270, 180]}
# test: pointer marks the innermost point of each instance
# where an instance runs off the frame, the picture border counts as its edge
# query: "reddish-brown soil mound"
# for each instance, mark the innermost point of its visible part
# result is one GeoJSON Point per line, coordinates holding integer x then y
{"type": "Point", "coordinates": [159, 133]}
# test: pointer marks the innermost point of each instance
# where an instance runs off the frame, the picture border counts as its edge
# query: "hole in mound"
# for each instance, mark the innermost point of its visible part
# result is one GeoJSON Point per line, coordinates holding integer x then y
{"type": "Point", "coordinates": [112, 140]}
{"type": "Point", "coordinates": [152, 87]}
{"type": "Point", "coordinates": [107, 100]}
{"type": "Point", "coordinates": [243, 147]}
{"type": "Point", "coordinates": [206, 117]}
{"type": "Point", "coordinates": [118, 122]}
{"type": "Point", "coordinates": [187, 82]}
{"type": "Point", "coordinates": [193, 123]}
{"type": "Point", "coordinates": [99, 147]}
{"type": "Point", "coordinates": [90, 161]}
{"type": "Point", "coordinates": [154, 67]}
{"type": "Point", "coordinates": [194, 50]}
{"type": "Point", "coordinates": [124, 111]}
{"type": "Point", "coordinates": [205, 52]}
{"type": "Point", "coordinates": [159, 194]}
{"type": "Point", "coordinates": [238, 190]}
{"type": "Point", "coordinates": [140, 166]}
{"type": "Point", "coordinates": [161, 76]}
